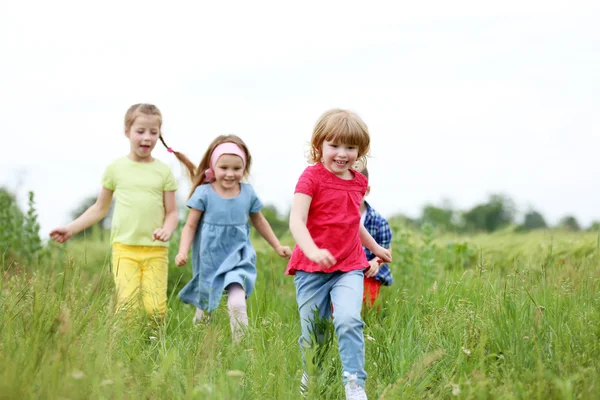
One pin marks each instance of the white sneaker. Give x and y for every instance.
(304, 385)
(353, 390)
(203, 318)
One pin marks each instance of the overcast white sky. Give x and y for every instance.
(463, 98)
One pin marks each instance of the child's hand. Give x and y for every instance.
(373, 269)
(161, 234)
(60, 234)
(384, 254)
(322, 257)
(284, 251)
(181, 259)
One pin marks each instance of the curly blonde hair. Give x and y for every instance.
(340, 126)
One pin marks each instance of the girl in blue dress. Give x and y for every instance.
(217, 229)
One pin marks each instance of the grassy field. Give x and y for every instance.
(503, 316)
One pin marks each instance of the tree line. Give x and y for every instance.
(498, 212)
(19, 231)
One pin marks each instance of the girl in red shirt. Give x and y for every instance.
(328, 260)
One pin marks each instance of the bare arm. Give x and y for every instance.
(383, 237)
(91, 216)
(187, 236)
(367, 240)
(264, 228)
(298, 217)
(171, 218)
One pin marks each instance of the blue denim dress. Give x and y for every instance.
(221, 252)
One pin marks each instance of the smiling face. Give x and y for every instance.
(143, 135)
(339, 158)
(229, 171)
(345, 130)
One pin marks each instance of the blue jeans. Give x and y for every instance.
(315, 293)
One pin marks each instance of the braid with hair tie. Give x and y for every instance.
(191, 168)
(170, 150)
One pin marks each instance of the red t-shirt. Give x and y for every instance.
(333, 219)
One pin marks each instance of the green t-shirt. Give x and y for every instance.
(139, 199)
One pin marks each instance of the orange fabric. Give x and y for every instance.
(371, 292)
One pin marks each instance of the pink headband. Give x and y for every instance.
(223, 148)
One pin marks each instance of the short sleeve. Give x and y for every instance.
(170, 182)
(108, 180)
(362, 181)
(307, 183)
(255, 204)
(199, 198)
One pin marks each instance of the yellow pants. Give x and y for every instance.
(140, 274)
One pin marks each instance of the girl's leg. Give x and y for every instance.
(314, 306)
(238, 317)
(155, 272)
(127, 273)
(346, 296)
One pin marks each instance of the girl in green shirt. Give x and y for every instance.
(145, 215)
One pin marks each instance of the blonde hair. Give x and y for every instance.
(340, 126)
(198, 174)
(150, 109)
(142, 108)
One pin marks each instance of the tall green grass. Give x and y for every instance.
(505, 316)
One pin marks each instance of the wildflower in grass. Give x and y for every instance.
(78, 375)
(455, 389)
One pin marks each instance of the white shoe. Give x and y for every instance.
(304, 385)
(353, 390)
(203, 318)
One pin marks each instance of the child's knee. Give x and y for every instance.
(347, 322)
(236, 305)
(236, 298)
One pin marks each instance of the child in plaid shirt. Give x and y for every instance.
(379, 228)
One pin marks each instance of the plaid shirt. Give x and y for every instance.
(379, 228)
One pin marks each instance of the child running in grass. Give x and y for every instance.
(328, 260)
(378, 273)
(222, 256)
(145, 215)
